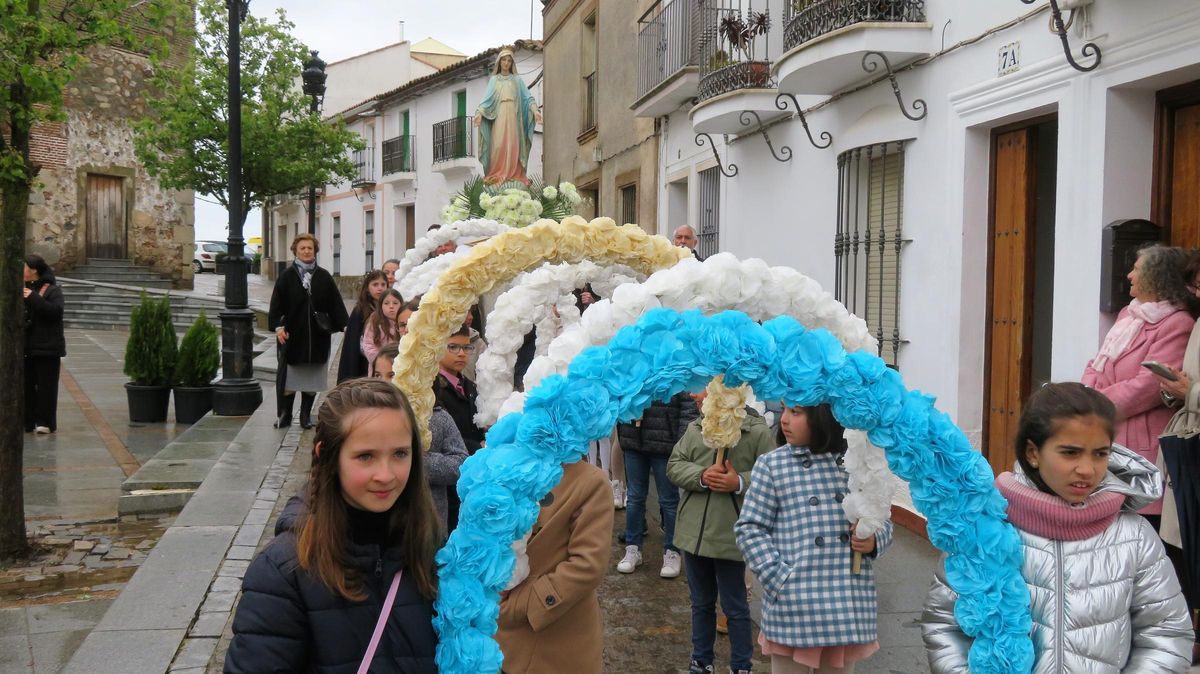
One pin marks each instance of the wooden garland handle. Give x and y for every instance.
(856, 564)
(720, 462)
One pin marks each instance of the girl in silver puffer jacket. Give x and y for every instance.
(1104, 597)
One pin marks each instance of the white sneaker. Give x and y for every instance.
(42, 430)
(618, 491)
(671, 564)
(631, 561)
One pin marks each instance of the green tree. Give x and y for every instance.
(184, 140)
(43, 43)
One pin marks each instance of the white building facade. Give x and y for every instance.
(421, 150)
(969, 238)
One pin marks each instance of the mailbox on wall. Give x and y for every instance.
(1121, 242)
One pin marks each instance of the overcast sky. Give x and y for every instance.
(339, 29)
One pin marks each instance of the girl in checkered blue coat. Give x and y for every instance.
(817, 615)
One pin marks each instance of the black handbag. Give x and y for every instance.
(321, 318)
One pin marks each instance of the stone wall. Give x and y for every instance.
(96, 138)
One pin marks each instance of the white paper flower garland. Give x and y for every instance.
(425, 245)
(421, 279)
(526, 305)
(720, 283)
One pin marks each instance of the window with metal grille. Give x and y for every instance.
(870, 238)
(369, 239)
(709, 232)
(629, 204)
(337, 245)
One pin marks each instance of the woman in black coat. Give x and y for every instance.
(306, 308)
(45, 345)
(353, 364)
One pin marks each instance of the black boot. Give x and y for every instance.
(306, 403)
(283, 405)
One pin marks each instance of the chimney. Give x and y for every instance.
(402, 31)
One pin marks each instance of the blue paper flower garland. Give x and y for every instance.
(667, 352)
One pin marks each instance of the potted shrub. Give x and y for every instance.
(256, 264)
(741, 34)
(150, 357)
(199, 360)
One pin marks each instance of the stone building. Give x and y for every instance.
(610, 154)
(93, 199)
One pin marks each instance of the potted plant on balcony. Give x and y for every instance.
(199, 359)
(150, 356)
(741, 34)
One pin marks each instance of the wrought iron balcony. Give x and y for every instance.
(452, 139)
(729, 63)
(364, 164)
(806, 20)
(398, 155)
(665, 45)
(589, 104)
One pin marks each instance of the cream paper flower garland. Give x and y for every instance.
(511, 319)
(498, 260)
(463, 229)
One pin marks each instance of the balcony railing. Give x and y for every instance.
(665, 43)
(727, 66)
(805, 20)
(589, 103)
(364, 164)
(398, 155)
(452, 139)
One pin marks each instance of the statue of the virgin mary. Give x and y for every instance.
(506, 119)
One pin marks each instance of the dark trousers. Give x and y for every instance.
(41, 391)
(709, 578)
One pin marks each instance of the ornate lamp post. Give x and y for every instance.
(314, 85)
(238, 393)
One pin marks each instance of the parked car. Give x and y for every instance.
(205, 257)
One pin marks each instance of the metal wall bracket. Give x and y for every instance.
(781, 103)
(1059, 28)
(918, 104)
(368, 189)
(785, 152)
(733, 169)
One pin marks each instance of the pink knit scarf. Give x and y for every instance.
(1049, 516)
(1127, 327)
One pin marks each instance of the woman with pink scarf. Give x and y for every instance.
(1155, 326)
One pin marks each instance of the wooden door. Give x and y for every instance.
(105, 217)
(1184, 213)
(1010, 311)
(410, 226)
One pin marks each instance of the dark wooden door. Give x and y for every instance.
(1010, 311)
(410, 226)
(1185, 177)
(105, 217)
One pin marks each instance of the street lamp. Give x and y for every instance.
(314, 85)
(238, 393)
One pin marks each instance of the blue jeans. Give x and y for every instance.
(638, 466)
(708, 577)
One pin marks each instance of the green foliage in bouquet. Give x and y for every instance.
(513, 203)
(199, 354)
(151, 351)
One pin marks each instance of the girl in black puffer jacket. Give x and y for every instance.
(45, 345)
(311, 599)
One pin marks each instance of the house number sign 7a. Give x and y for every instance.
(1010, 59)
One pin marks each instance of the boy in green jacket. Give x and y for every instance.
(704, 532)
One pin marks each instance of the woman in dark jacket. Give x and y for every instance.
(306, 308)
(45, 345)
(353, 364)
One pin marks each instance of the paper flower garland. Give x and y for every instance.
(498, 260)
(427, 244)
(420, 280)
(666, 352)
(511, 318)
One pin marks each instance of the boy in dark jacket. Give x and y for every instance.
(647, 444)
(456, 393)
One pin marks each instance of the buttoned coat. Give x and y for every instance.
(551, 622)
(796, 539)
(1134, 389)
